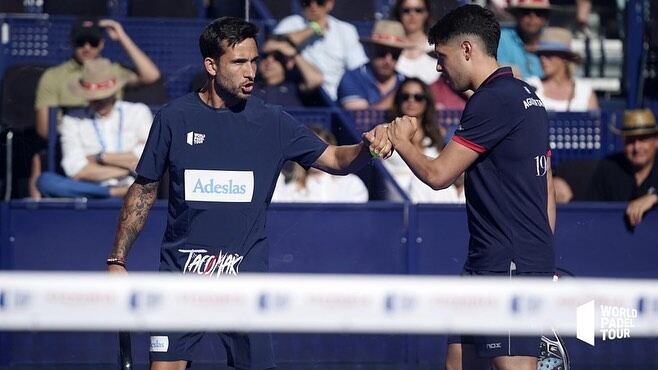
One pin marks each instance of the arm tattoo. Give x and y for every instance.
(136, 206)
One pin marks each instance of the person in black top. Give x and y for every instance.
(630, 175)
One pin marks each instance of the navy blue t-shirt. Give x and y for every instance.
(223, 166)
(506, 187)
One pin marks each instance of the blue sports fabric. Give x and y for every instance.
(506, 187)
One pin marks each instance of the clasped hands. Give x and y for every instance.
(385, 137)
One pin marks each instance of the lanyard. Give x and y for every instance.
(100, 137)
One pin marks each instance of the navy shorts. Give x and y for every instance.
(252, 351)
(504, 345)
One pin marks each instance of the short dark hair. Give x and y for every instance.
(468, 20)
(230, 29)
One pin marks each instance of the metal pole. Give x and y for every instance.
(246, 10)
(8, 168)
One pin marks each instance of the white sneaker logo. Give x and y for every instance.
(195, 138)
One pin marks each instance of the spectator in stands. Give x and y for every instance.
(499, 8)
(102, 143)
(415, 99)
(284, 77)
(87, 43)
(531, 17)
(326, 42)
(314, 186)
(558, 89)
(414, 60)
(631, 175)
(373, 85)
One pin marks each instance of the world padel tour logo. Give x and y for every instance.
(614, 322)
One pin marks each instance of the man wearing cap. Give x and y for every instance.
(373, 84)
(631, 175)
(102, 143)
(328, 43)
(515, 43)
(87, 43)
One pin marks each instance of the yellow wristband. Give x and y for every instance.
(315, 26)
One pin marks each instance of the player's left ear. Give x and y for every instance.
(467, 49)
(211, 66)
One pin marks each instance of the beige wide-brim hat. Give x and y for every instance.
(636, 122)
(388, 33)
(98, 80)
(529, 4)
(557, 40)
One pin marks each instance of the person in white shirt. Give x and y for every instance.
(101, 144)
(328, 43)
(558, 89)
(415, 18)
(415, 99)
(313, 186)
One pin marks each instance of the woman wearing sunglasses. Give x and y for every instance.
(558, 89)
(415, 18)
(415, 99)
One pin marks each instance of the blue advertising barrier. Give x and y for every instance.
(373, 238)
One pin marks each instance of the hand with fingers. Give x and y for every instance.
(402, 129)
(283, 47)
(378, 142)
(114, 29)
(638, 207)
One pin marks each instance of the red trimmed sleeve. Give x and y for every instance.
(469, 144)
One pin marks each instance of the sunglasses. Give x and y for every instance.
(543, 13)
(277, 55)
(382, 52)
(419, 10)
(416, 97)
(307, 3)
(82, 41)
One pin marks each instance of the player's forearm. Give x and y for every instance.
(344, 159)
(421, 165)
(136, 206)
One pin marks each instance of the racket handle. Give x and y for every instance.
(125, 351)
